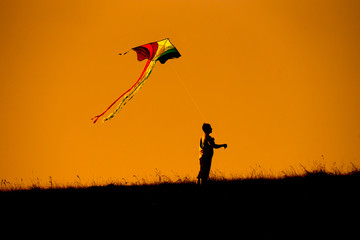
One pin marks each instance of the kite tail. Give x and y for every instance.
(128, 95)
(124, 53)
(132, 91)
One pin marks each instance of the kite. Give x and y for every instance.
(156, 51)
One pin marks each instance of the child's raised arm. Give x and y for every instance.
(216, 146)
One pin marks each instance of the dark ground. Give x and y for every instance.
(314, 206)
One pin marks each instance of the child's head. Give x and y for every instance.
(206, 128)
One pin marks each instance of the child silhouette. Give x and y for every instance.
(207, 145)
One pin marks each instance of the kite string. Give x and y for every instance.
(189, 94)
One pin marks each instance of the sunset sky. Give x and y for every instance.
(279, 81)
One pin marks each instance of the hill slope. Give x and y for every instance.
(300, 204)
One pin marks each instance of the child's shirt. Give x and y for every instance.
(206, 149)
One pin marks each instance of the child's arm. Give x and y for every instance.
(216, 146)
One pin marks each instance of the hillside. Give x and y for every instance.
(316, 201)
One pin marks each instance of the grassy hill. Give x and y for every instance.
(315, 201)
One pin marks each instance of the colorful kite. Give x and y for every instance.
(155, 51)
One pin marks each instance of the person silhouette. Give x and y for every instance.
(207, 145)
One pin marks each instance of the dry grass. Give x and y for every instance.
(257, 172)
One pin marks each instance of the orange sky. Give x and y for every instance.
(278, 80)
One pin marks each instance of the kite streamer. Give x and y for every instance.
(156, 51)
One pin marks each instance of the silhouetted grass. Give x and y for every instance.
(298, 202)
(257, 173)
